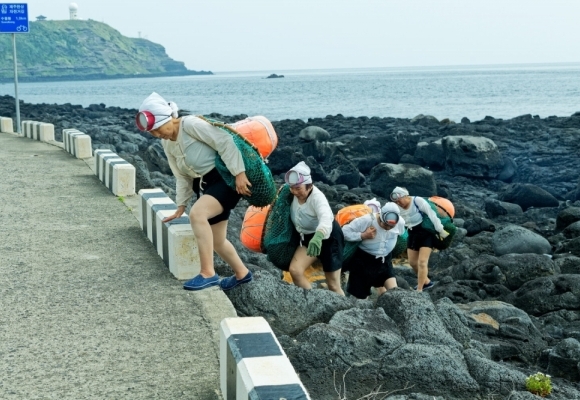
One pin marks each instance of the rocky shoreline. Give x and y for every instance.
(97, 77)
(507, 299)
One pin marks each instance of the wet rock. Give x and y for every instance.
(528, 195)
(430, 155)
(294, 310)
(572, 231)
(514, 239)
(568, 264)
(476, 225)
(314, 133)
(422, 365)
(417, 318)
(546, 294)
(508, 330)
(495, 378)
(353, 340)
(418, 181)
(472, 156)
(564, 360)
(495, 208)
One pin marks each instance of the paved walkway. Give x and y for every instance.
(87, 308)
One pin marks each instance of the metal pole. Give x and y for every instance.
(16, 84)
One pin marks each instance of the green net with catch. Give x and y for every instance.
(280, 236)
(263, 186)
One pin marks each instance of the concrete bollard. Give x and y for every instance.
(174, 240)
(176, 244)
(27, 128)
(35, 130)
(6, 125)
(46, 132)
(77, 143)
(116, 173)
(253, 365)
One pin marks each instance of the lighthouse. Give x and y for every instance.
(73, 8)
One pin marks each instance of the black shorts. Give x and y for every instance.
(367, 271)
(331, 252)
(419, 237)
(215, 186)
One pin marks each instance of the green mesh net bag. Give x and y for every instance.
(348, 251)
(263, 186)
(280, 237)
(447, 223)
(401, 245)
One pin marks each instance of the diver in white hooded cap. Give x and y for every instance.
(420, 242)
(191, 145)
(371, 265)
(320, 235)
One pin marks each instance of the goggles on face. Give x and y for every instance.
(294, 178)
(396, 196)
(390, 218)
(145, 120)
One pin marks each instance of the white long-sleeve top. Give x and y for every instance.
(314, 215)
(413, 217)
(382, 244)
(193, 154)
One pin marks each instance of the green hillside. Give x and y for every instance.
(78, 49)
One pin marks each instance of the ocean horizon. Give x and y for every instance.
(454, 92)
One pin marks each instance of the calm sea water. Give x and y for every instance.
(444, 92)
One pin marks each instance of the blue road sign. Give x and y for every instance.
(13, 18)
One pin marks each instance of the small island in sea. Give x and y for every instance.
(274, 76)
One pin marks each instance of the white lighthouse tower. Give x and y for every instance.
(73, 8)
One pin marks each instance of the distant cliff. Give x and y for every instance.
(79, 50)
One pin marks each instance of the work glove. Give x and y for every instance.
(315, 245)
(443, 235)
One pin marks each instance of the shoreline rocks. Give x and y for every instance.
(506, 302)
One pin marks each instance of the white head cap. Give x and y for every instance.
(373, 204)
(398, 192)
(298, 174)
(154, 112)
(390, 213)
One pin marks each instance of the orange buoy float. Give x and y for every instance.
(445, 206)
(253, 227)
(347, 214)
(259, 131)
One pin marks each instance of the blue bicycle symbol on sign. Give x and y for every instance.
(22, 28)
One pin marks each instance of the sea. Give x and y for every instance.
(454, 92)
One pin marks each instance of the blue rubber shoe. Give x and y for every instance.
(199, 282)
(231, 282)
(426, 286)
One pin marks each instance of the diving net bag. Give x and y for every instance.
(263, 186)
(280, 238)
(446, 221)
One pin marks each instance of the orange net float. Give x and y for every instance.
(253, 227)
(445, 206)
(347, 214)
(259, 131)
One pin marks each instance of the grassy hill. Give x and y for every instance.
(79, 49)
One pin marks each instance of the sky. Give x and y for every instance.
(283, 35)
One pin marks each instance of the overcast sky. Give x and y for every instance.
(281, 35)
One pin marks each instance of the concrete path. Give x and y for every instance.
(87, 308)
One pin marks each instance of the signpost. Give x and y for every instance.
(14, 19)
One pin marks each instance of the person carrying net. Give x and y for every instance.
(371, 265)
(191, 145)
(420, 242)
(320, 235)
